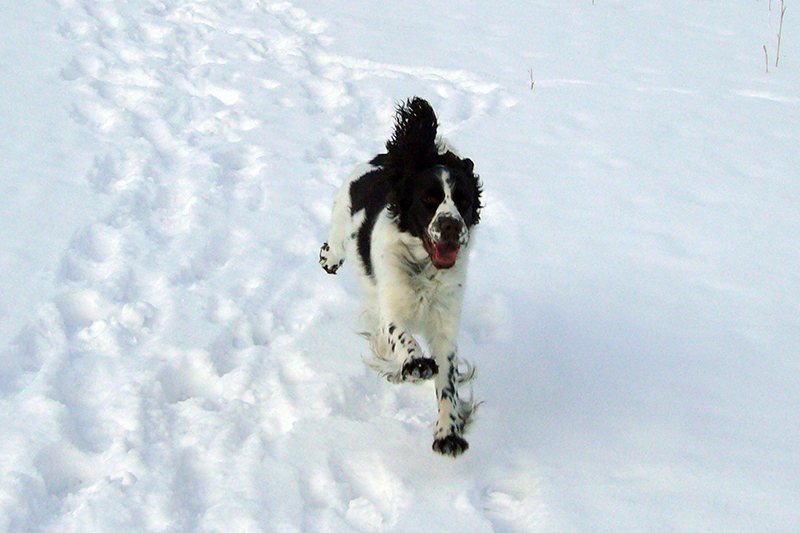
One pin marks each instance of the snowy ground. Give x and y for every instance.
(173, 358)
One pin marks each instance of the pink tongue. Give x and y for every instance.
(446, 254)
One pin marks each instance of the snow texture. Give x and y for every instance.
(173, 359)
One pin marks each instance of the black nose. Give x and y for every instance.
(450, 229)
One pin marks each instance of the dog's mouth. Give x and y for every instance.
(443, 254)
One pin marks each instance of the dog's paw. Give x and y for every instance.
(328, 260)
(452, 445)
(419, 369)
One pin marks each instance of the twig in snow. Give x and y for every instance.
(780, 32)
(766, 57)
(530, 71)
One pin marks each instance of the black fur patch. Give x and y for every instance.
(407, 175)
(419, 369)
(453, 445)
(369, 193)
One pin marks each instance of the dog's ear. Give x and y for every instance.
(411, 149)
(413, 143)
(477, 190)
(391, 199)
(400, 195)
(397, 197)
(477, 205)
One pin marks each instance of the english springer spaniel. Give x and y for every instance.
(410, 214)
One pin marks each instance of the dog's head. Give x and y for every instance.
(434, 194)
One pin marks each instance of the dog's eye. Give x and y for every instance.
(462, 200)
(431, 201)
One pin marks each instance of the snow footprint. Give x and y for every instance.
(513, 503)
(113, 173)
(239, 170)
(37, 348)
(375, 494)
(95, 255)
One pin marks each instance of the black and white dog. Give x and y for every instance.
(410, 214)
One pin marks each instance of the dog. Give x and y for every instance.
(406, 219)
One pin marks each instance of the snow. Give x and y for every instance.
(174, 359)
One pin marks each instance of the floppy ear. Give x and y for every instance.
(411, 149)
(391, 199)
(415, 127)
(477, 190)
(399, 195)
(413, 143)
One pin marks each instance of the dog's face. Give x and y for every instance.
(441, 207)
(434, 194)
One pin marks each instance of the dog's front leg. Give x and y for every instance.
(398, 355)
(332, 252)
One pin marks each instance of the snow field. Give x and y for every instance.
(184, 376)
(175, 360)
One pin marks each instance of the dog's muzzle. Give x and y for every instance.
(445, 236)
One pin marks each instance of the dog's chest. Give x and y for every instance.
(430, 294)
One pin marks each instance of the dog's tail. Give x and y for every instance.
(414, 137)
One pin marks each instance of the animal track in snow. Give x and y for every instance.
(187, 360)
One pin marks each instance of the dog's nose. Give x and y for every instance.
(450, 229)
